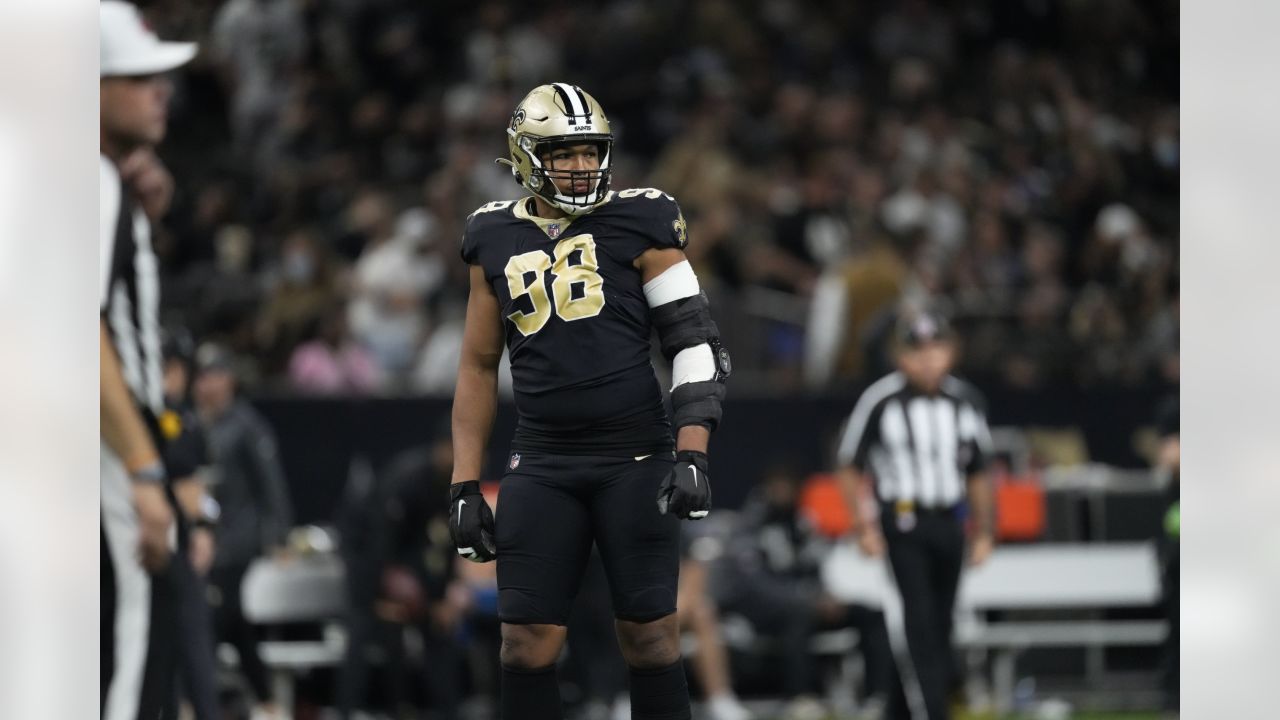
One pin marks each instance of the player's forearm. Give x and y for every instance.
(475, 403)
(123, 429)
(693, 437)
(981, 503)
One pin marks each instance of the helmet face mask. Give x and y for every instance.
(551, 117)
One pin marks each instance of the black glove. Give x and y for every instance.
(471, 522)
(686, 493)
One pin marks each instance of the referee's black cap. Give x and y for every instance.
(917, 327)
(212, 356)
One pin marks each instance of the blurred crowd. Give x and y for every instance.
(1016, 160)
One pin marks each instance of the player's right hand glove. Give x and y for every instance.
(686, 493)
(471, 522)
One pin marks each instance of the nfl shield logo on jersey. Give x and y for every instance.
(553, 230)
(515, 461)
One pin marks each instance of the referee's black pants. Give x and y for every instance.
(925, 553)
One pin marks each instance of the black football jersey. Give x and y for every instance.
(576, 321)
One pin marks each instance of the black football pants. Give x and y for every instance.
(551, 508)
(925, 553)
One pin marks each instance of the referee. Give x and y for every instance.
(919, 438)
(139, 592)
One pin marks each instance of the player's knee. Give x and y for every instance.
(650, 645)
(530, 647)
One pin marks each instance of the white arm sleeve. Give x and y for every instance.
(108, 216)
(675, 283)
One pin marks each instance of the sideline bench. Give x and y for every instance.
(1068, 577)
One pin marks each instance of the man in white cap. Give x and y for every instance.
(139, 598)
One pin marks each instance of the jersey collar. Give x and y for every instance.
(553, 227)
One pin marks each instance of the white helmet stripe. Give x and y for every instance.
(576, 107)
(586, 106)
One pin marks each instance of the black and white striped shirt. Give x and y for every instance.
(917, 447)
(129, 290)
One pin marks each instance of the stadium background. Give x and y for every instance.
(1018, 160)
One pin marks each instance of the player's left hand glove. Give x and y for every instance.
(471, 522)
(686, 493)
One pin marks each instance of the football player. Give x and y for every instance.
(571, 279)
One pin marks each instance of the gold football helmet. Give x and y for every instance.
(556, 115)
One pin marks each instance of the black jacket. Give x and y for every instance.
(248, 482)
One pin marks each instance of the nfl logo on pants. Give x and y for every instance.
(515, 461)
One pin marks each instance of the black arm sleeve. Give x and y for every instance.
(684, 323)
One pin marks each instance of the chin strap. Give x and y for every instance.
(576, 210)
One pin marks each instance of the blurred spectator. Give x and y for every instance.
(392, 281)
(437, 365)
(400, 578)
(699, 616)
(796, 136)
(331, 362)
(1163, 338)
(187, 457)
(770, 576)
(305, 289)
(249, 485)
(259, 43)
(916, 29)
(523, 55)
(211, 208)
(698, 167)
(847, 300)
(227, 295)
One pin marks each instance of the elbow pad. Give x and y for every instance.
(691, 341)
(698, 403)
